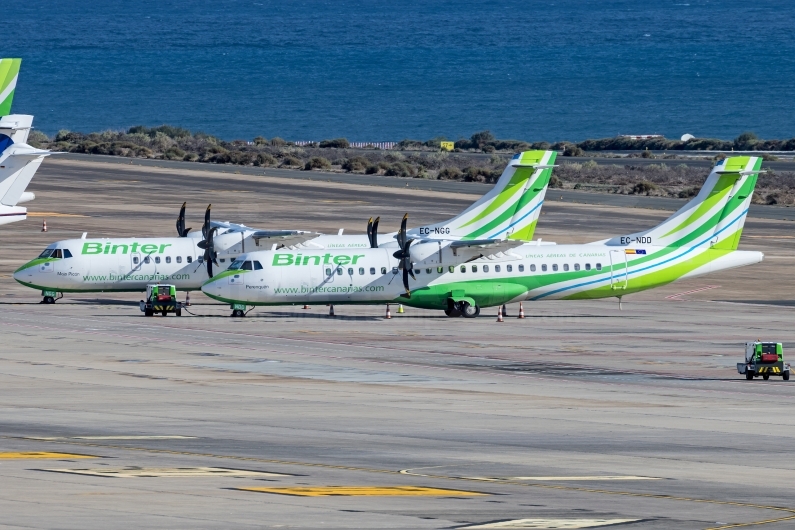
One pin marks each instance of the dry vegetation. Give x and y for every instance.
(415, 159)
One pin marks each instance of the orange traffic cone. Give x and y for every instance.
(44, 225)
(187, 299)
(388, 314)
(331, 310)
(306, 306)
(521, 311)
(499, 315)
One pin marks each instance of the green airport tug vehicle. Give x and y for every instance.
(765, 359)
(161, 299)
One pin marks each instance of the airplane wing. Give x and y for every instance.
(283, 237)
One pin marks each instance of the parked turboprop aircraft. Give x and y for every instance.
(508, 211)
(18, 160)
(461, 278)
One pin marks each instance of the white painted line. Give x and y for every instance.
(167, 472)
(676, 296)
(571, 478)
(551, 523)
(143, 437)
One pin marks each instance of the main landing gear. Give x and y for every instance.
(462, 309)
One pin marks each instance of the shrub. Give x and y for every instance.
(36, 138)
(572, 150)
(767, 157)
(400, 169)
(278, 142)
(174, 153)
(338, 143)
(746, 141)
(647, 154)
(190, 157)
(555, 182)
(264, 159)
(69, 136)
(357, 163)
(372, 170)
(643, 187)
(481, 139)
(291, 161)
(259, 140)
(317, 162)
(688, 193)
(449, 173)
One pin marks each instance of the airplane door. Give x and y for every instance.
(618, 270)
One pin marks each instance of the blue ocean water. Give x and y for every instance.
(387, 70)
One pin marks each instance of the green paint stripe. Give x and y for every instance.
(718, 194)
(514, 188)
(34, 263)
(9, 69)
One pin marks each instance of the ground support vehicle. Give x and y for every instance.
(161, 299)
(765, 359)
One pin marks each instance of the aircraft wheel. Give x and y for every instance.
(785, 375)
(749, 376)
(470, 311)
(238, 313)
(765, 377)
(48, 300)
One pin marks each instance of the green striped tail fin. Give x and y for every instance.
(9, 71)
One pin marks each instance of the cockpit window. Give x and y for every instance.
(236, 265)
(66, 253)
(247, 266)
(57, 253)
(257, 266)
(47, 253)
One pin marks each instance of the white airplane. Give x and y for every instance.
(507, 213)
(700, 238)
(18, 161)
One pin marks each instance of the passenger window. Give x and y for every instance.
(474, 268)
(350, 271)
(168, 259)
(221, 260)
(394, 270)
(328, 272)
(521, 268)
(576, 266)
(247, 266)
(190, 259)
(372, 271)
(509, 268)
(555, 267)
(339, 271)
(147, 260)
(532, 268)
(565, 266)
(200, 259)
(587, 266)
(451, 268)
(135, 260)
(157, 259)
(485, 268)
(598, 266)
(416, 271)
(257, 266)
(179, 259)
(463, 268)
(361, 271)
(544, 267)
(496, 268)
(66, 253)
(428, 271)
(440, 269)
(383, 270)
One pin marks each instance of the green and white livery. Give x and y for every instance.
(9, 72)
(700, 238)
(511, 207)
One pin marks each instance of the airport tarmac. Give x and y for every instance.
(579, 416)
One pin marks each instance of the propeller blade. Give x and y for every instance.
(206, 225)
(181, 221)
(374, 240)
(370, 231)
(401, 235)
(210, 254)
(406, 282)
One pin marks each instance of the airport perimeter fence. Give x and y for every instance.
(357, 145)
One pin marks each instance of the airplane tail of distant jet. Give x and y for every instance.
(717, 213)
(18, 164)
(9, 71)
(509, 210)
